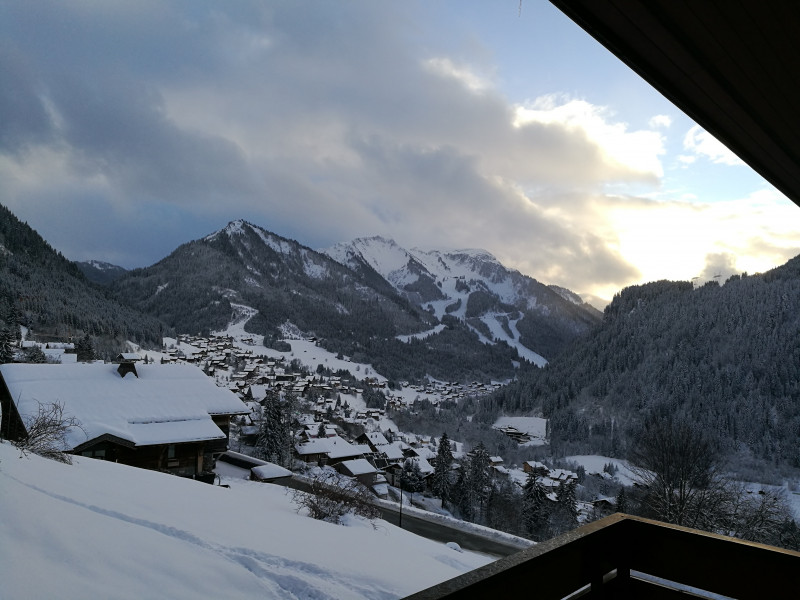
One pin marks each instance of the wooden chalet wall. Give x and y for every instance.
(185, 459)
(11, 425)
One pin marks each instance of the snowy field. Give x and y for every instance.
(536, 427)
(595, 464)
(101, 530)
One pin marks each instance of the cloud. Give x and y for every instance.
(445, 67)
(719, 266)
(638, 151)
(702, 143)
(660, 121)
(679, 240)
(139, 126)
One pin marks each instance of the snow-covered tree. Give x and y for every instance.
(6, 346)
(85, 349)
(275, 438)
(34, 354)
(535, 507)
(565, 512)
(411, 479)
(442, 483)
(622, 501)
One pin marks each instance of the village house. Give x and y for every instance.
(163, 417)
(360, 470)
(533, 466)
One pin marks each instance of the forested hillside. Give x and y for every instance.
(100, 272)
(44, 291)
(725, 357)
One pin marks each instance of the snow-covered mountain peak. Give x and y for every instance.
(233, 228)
(385, 256)
(474, 253)
(240, 227)
(101, 266)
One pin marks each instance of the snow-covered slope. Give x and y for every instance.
(102, 530)
(470, 285)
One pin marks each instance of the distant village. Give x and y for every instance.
(334, 427)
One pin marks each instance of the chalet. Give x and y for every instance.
(532, 466)
(495, 461)
(163, 417)
(329, 450)
(394, 470)
(269, 473)
(360, 470)
(372, 439)
(515, 434)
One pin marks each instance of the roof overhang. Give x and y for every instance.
(729, 65)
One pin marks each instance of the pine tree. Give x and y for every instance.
(535, 507)
(13, 319)
(622, 501)
(411, 479)
(35, 355)
(6, 346)
(85, 349)
(275, 437)
(480, 478)
(565, 513)
(462, 495)
(442, 485)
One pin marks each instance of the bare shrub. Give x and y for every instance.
(330, 497)
(47, 432)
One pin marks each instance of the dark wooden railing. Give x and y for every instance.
(624, 557)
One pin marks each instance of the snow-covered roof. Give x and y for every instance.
(270, 471)
(377, 438)
(334, 447)
(562, 475)
(359, 466)
(259, 391)
(393, 451)
(424, 452)
(164, 404)
(424, 466)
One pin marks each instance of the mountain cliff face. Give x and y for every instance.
(475, 288)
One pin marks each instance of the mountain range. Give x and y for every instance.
(451, 315)
(725, 357)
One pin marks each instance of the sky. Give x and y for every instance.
(129, 128)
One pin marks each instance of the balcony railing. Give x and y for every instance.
(625, 557)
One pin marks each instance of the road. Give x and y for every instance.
(412, 521)
(433, 530)
(441, 532)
